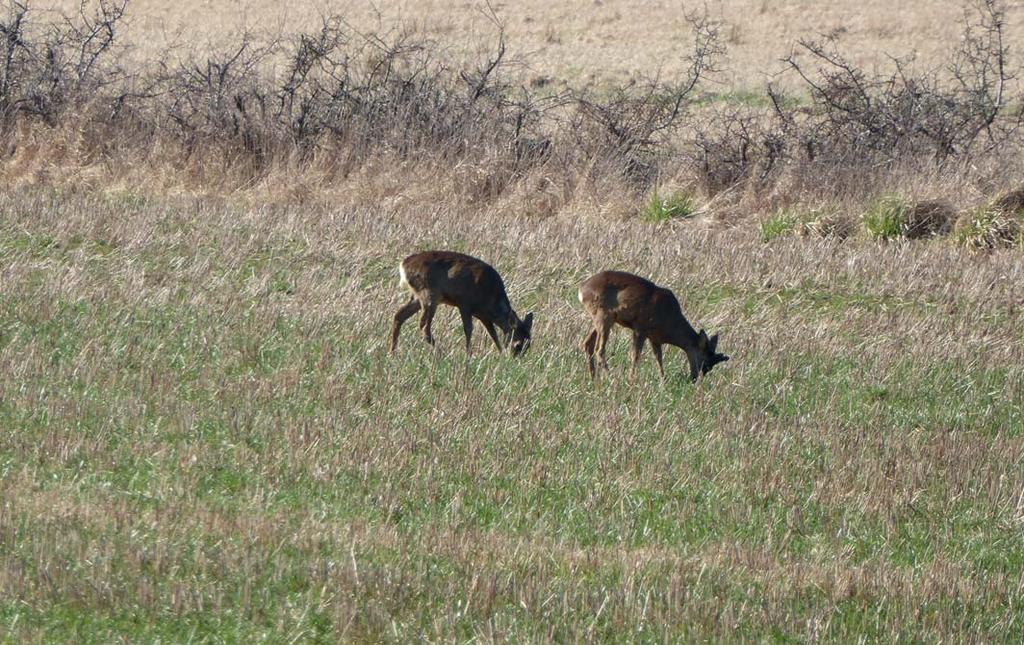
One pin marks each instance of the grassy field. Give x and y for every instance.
(205, 439)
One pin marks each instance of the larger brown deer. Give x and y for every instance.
(651, 312)
(464, 282)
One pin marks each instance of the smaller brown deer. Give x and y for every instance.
(651, 312)
(466, 283)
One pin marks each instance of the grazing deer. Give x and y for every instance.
(651, 312)
(464, 282)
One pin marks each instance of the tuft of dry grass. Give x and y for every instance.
(824, 223)
(928, 218)
(996, 224)
(1011, 202)
(987, 228)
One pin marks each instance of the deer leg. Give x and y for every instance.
(401, 316)
(638, 347)
(657, 356)
(588, 345)
(426, 319)
(605, 326)
(467, 327)
(489, 326)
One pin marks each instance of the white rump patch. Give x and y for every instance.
(402, 280)
(579, 294)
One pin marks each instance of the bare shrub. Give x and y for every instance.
(68, 65)
(632, 129)
(730, 146)
(474, 132)
(883, 117)
(862, 124)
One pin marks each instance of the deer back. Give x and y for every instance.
(458, 280)
(637, 303)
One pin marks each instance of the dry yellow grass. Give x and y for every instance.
(601, 42)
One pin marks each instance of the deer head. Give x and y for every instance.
(519, 336)
(703, 356)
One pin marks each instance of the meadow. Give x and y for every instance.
(204, 437)
(207, 440)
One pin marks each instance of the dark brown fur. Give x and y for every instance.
(466, 283)
(651, 312)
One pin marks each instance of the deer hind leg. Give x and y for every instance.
(489, 326)
(638, 347)
(588, 345)
(467, 327)
(403, 314)
(426, 319)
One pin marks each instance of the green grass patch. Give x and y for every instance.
(885, 217)
(675, 205)
(781, 223)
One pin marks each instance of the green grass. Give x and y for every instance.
(885, 217)
(661, 208)
(779, 224)
(754, 98)
(192, 452)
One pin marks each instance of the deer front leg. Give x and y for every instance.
(467, 328)
(604, 329)
(656, 348)
(588, 345)
(401, 316)
(489, 326)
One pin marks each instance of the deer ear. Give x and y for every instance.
(528, 321)
(713, 342)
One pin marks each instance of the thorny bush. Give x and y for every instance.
(348, 96)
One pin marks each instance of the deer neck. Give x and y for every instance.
(505, 317)
(507, 323)
(683, 334)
